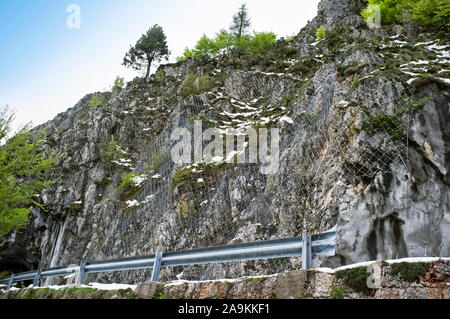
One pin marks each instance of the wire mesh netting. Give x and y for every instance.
(216, 201)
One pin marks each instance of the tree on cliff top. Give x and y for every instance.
(24, 168)
(151, 47)
(241, 22)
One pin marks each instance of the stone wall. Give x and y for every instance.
(390, 281)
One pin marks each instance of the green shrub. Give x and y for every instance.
(383, 123)
(224, 41)
(432, 14)
(130, 184)
(205, 47)
(355, 278)
(186, 208)
(206, 171)
(112, 154)
(337, 293)
(194, 85)
(411, 272)
(390, 10)
(320, 33)
(335, 39)
(260, 42)
(273, 57)
(186, 55)
(160, 76)
(97, 99)
(118, 85)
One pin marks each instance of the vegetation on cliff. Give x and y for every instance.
(24, 169)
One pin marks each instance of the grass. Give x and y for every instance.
(207, 171)
(355, 278)
(254, 280)
(410, 272)
(337, 292)
(69, 293)
(128, 187)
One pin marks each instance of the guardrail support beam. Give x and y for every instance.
(80, 278)
(37, 279)
(306, 251)
(156, 266)
(10, 282)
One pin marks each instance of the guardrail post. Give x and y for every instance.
(10, 282)
(80, 278)
(306, 251)
(37, 279)
(156, 266)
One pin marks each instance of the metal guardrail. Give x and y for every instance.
(322, 244)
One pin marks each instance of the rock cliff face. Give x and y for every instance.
(364, 146)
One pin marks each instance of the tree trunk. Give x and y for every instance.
(147, 76)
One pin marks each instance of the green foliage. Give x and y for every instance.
(24, 172)
(254, 280)
(69, 293)
(118, 85)
(383, 123)
(160, 76)
(273, 57)
(159, 292)
(5, 274)
(194, 85)
(186, 176)
(320, 33)
(186, 208)
(224, 41)
(350, 69)
(355, 278)
(410, 272)
(390, 10)
(269, 183)
(97, 99)
(129, 186)
(390, 124)
(443, 13)
(187, 54)
(241, 22)
(337, 292)
(206, 47)
(151, 47)
(260, 42)
(432, 14)
(335, 39)
(111, 153)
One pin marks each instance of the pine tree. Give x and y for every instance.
(241, 22)
(151, 47)
(24, 169)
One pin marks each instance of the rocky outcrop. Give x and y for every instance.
(364, 146)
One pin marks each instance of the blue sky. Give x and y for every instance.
(46, 67)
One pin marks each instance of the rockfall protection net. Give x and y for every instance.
(212, 202)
